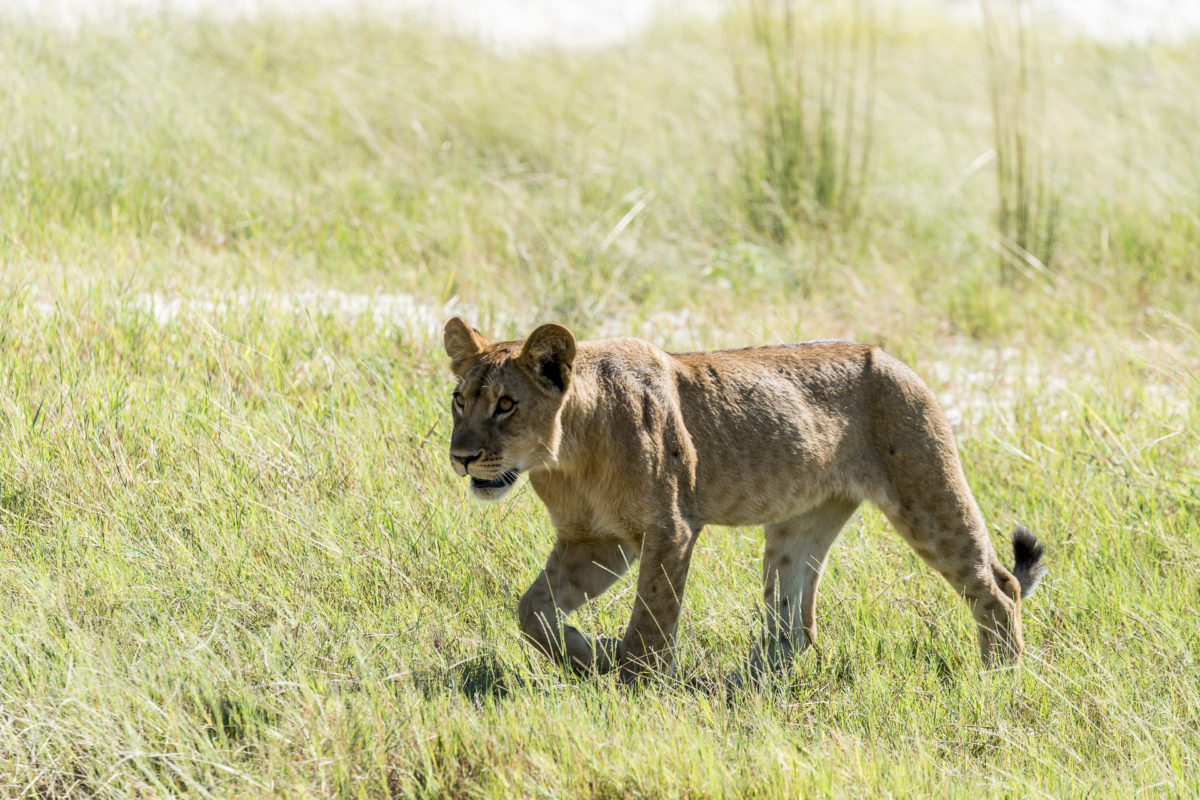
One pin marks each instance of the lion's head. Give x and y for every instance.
(506, 404)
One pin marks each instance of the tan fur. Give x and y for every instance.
(634, 450)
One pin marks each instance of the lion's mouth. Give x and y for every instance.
(501, 481)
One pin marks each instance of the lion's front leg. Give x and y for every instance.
(648, 641)
(575, 572)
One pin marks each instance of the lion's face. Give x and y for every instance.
(506, 405)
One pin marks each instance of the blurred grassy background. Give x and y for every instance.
(358, 154)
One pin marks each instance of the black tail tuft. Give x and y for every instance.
(1027, 551)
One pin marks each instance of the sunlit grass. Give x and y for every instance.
(235, 558)
(364, 154)
(805, 79)
(1027, 207)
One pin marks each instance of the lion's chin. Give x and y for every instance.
(490, 491)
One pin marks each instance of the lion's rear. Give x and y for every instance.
(927, 499)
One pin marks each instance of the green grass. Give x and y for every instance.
(1027, 207)
(805, 95)
(236, 562)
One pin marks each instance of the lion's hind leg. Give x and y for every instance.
(793, 559)
(944, 526)
(924, 494)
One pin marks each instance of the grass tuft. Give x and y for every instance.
(805, 77)
(1027, 215)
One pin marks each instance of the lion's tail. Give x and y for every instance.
(1027, 551)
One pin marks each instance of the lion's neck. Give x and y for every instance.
(582, 427)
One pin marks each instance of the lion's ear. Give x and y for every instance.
(463, 344)
(548, 355)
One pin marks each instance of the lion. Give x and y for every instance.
(634, 450)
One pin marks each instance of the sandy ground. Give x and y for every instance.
(503, 24)
(508, 24)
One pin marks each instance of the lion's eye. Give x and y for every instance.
(458, 401)
(504, 405)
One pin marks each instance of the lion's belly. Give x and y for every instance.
(758, 495)
(779, 463)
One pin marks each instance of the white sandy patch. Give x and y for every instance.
(501, 24)
(972, 382)
(515, 24)
(385, 309)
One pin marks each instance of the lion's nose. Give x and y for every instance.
(465, 458)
